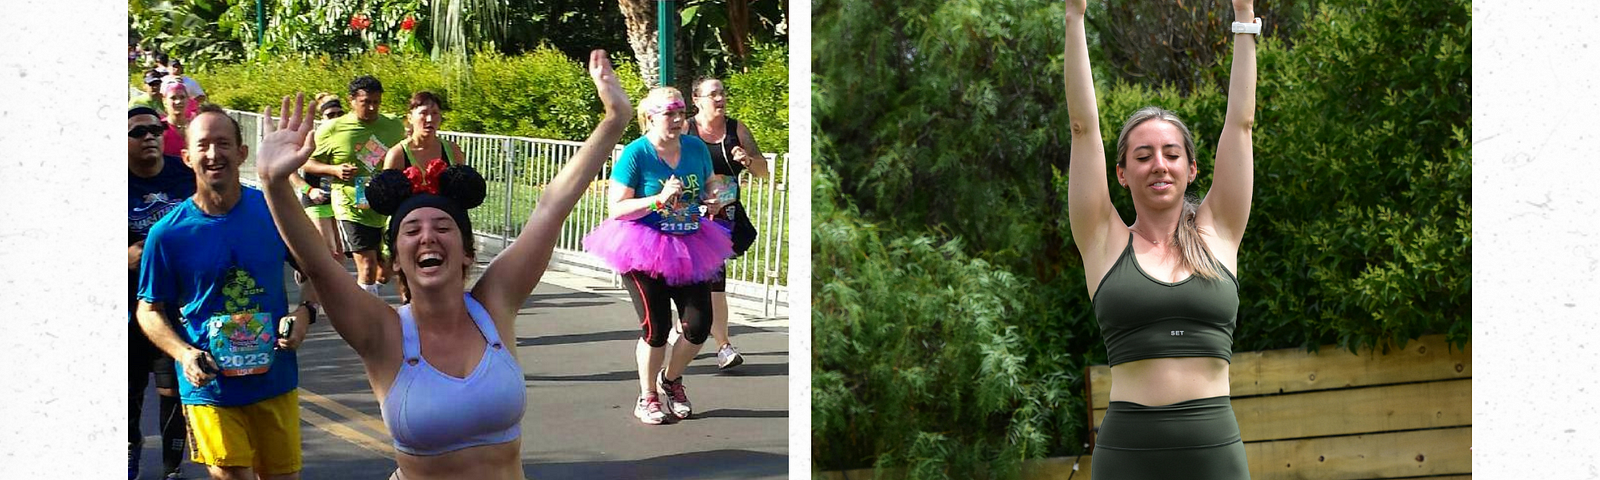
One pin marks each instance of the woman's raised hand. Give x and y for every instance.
(1079, 7)
(288, 142)
(609, 88)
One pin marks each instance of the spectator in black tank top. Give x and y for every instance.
(733, 150)
(424, 114)
(421, 145)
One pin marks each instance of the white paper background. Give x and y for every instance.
(800, 238)
(63, 330)
(1535, 256)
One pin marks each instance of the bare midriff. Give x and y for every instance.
(1165, 381)
(501, 461)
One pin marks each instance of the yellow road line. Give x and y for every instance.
(339, 429)
(365, 420)
(344, 431)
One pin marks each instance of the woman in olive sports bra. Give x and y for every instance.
(1163, 288)
(447, 330)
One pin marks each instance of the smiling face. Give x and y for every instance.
(1157, 165)
(214, 152)
(429, 250)
(176, 98)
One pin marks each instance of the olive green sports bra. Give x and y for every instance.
(1141, 317)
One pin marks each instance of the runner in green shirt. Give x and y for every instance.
(350, 150)
(150, 97)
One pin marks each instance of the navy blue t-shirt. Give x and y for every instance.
(149, 199)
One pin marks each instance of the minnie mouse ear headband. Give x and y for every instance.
(453, 189)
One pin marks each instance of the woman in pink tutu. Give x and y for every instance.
(665, 248)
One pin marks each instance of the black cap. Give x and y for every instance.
(152, 77)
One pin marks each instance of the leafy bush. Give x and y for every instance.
(916, 360)
(760, 97)
(540, 94)
(1363, 232)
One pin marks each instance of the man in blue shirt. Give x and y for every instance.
(217, 257)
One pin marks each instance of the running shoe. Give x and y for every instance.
(649, 410)
(673, 395)
(728, 357)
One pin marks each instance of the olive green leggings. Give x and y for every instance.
(1193, 440)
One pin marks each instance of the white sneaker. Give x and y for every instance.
(673, 396)
(728, 357)
(649, 410)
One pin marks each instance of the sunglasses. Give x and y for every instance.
(332, 114)
(143, 130)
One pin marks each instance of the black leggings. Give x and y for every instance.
(653, 299)
(143, 360)
(1193, 439)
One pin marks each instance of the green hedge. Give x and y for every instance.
(919, 358)
(540, 94)
(940, 121)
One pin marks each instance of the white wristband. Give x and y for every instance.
(1248, 28)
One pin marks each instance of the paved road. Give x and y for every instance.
(575, 339)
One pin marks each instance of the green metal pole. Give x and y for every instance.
(261, 23)
(667, 19)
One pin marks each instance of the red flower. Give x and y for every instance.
(360, 22)
(408, 24)
(383, 49)
(426, 182)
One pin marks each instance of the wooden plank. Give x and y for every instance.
(1385, 455)
(1409, 406)
(1294, 370)
(1056, 468)
(861, 474)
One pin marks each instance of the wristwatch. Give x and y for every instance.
(312, 308)
(1248, 28)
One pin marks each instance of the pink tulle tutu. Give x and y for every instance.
(630, 246)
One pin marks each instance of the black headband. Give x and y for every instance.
(137, 111)
(331, 102)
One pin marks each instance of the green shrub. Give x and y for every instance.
(917, 361)
(539, 94)
(760, 97)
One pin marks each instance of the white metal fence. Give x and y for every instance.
(516, 169)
